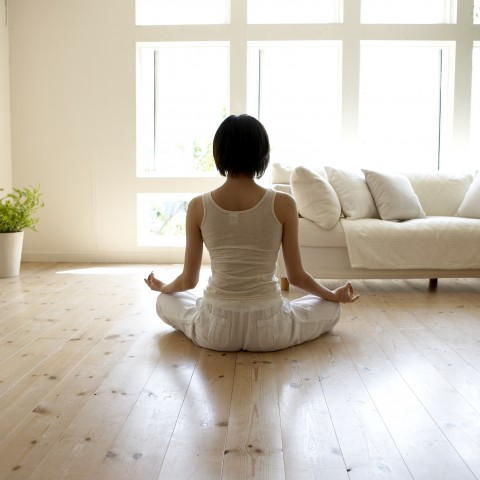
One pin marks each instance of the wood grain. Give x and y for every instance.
(94, 386)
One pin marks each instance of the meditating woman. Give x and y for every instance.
(243, 226)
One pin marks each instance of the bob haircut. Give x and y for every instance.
(241, 146)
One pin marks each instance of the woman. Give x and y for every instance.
(243, 226)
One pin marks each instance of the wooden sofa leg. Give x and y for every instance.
(432, 285)
(284, 285)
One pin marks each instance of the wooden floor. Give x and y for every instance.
(94, 386)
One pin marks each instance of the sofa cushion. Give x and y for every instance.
(470, 206)
(440, 193)
(353, 193)
(312, 235)
(316, 198)
(434, 242)
(394, 196)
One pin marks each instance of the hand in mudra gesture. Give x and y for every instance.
(345, 294)
(154, 283)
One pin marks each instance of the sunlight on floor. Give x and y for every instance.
(112, 269)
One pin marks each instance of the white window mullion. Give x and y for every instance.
(238, 56)
(350, 73)
(463, 82)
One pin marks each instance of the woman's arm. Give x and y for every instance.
(286, 212)
(188, 279)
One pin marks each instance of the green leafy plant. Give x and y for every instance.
(18, 208)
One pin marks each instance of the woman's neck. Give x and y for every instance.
(239, 192)
(240, 179)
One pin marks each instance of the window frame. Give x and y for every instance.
(351, 32)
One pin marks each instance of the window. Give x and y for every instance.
(332, 81)
(181, 12)
(294, 89)
(404, 96)
(183, 97)
(408, 11)
(299, 11)
(161, 218)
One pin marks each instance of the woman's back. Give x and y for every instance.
(243, 246)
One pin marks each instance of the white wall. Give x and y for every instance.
(73, 125)
(5, 150)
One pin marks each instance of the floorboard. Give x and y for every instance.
(94, 386)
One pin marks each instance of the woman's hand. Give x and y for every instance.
(154, 283)
(344, 294)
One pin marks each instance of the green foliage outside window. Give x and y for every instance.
(168, 218)
(203, 156)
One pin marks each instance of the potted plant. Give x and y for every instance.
(17, 212)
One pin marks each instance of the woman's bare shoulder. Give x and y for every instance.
(284, 199)
(196, 201)
(195, 208)
(285, 206)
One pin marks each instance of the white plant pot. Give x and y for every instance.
(10, 254)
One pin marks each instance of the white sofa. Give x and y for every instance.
(363, 224)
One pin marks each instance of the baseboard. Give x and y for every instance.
(161, 257)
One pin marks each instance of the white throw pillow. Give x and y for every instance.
(316, 198)
(394, 196)
(440, 193)
(353, 193)
(470, 207)
(280, 173)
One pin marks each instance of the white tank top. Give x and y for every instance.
(243, 248)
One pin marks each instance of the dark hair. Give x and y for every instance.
(241, 146)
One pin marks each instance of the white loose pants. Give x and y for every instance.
(226, 326)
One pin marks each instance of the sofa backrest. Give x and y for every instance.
(440, 193)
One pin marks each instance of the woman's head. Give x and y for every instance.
(241, 146)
